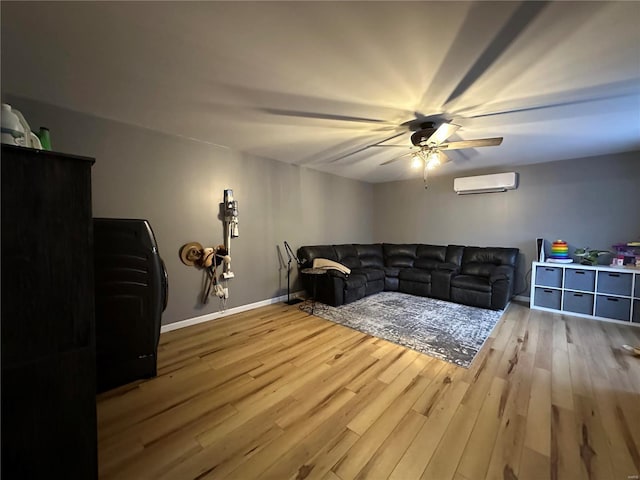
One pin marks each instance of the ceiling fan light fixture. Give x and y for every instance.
(416, 161)
(433, 160)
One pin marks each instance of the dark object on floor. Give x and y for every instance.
(48, 343)
(448, 331)
(477, 276)
(291, 255)
(131, 294)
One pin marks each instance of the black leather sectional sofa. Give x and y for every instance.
(477, 276)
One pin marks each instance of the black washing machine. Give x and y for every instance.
(131, 292)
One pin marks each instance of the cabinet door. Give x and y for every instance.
(48, 347)
(49, 418)
(47, 267)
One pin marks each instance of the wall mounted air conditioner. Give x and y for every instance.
(499, 182)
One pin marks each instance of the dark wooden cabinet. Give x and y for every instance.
(47, 327)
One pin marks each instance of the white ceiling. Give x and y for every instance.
(312, 82)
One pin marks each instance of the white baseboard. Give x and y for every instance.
(213, 316)
(521, 298)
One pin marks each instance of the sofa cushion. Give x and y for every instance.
(307, 254)
(399, 255)
(482, 261)
(392, 272)
(347, 255)
(370, 255)
(415, 275)
(454, 254)
(371, 274)
(374, 286)
(429, 256)
(471, 282)
(474, 298)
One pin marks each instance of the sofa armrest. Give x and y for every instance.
(441, 283)
(336, 274)
(450, 267)
(501, 272)
(501, 281)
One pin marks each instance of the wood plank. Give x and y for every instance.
(477, 453)
(561, 389)
(407, 381)
(545, 342)
(565, 447)
(538, 429)
(374, 435)
(580, 378)
(318, 465)
(624, 452)
(384, 460)
(533, 466)
(595, 457)
(266, 457)
(417, 457)
(445, 460)
(513, 407)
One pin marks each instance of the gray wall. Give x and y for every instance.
(586, 202)
(177, 184)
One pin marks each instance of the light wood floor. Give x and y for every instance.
(275, 393)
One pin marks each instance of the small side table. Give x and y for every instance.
(314, 272)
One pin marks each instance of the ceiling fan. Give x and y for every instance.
(429, 141)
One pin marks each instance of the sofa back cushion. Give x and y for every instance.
(370, 255)
(454, 254)
(308, 253)
(481, 261)
(399, 255)
(429, 257)
(347, 255)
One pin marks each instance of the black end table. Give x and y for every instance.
(314, 272)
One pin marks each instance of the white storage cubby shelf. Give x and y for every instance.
(600, 292)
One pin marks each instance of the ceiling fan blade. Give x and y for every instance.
(362, 149)
(481, 142)
(395, 159)
(394, 146)
(324, 116)
(443, 132)
(443, 158)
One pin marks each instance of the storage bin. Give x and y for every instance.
(578, 302)
(547, 298)
(613, 307)
(636, 290)
(615, 283)
(549, 276)
(578, 279)
(636, 311)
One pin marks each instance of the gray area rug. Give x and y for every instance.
(444, 330)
